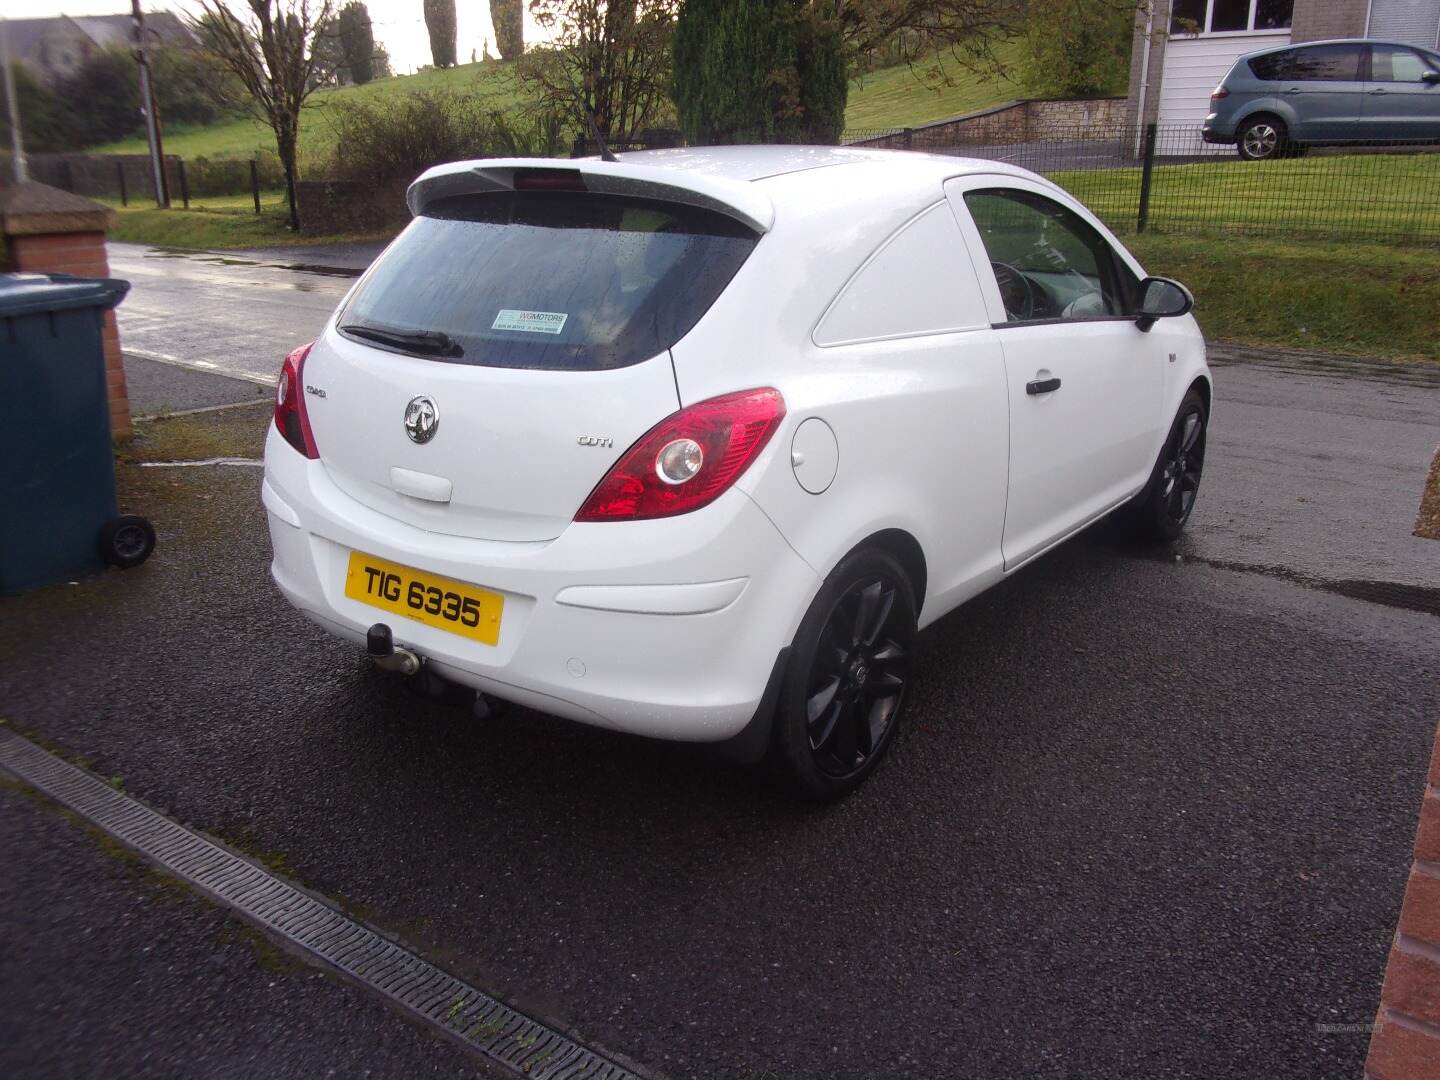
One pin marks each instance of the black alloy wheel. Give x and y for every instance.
(849, 672)
(1184, 461)
(1162, 509)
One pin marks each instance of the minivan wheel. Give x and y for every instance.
(849, 670)
(1161, 510)
(1262, 138)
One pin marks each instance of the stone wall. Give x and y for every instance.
(1405, 1044)
(350, 206)
(1013, 122)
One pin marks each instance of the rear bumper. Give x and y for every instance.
(666, 628)
(1216, 130)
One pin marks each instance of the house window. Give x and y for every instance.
(1229, 16)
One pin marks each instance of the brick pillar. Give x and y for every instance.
(54, 232)
(1406, 1042)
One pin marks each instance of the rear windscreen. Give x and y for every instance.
(547, 279)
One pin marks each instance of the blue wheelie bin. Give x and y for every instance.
(58, 512)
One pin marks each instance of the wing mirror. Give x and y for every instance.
(1431, 77)
(1162, 298)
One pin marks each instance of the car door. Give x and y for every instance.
(1400, 101)
(1084, 384)
(1325, 88)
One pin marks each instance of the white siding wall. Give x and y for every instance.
(1193, 65)
(1415, 22)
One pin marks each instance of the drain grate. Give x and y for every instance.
(477, 1020)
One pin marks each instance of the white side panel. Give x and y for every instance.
(1193, 67)
(888, 298)
(1415, 22)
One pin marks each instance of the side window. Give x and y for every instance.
(920, 281)
(1272, 66)
(1048, 262)
(1389, 63)
(1327, 63)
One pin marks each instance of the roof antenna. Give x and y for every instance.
(605, 154)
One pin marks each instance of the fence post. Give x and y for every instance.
(909, 138)
(1147, 173)
(184, 187)
(120, 175)
(255, 183)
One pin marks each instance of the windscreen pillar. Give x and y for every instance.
(49, 231)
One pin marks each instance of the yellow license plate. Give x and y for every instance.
(428, 598)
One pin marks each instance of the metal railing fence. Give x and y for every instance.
(1166, 179)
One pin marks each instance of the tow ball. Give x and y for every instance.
(380, 644)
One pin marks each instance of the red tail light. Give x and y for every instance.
(1218, 93)
(290, 417)
(687, 460)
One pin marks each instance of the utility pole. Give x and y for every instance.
(17, 146)
(147, 105)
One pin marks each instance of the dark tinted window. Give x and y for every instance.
(1327, 63)
(547, 279)
(1230, 15)
(1273, 14)
(1272, 66)
(1187, 17)
(1391, 63)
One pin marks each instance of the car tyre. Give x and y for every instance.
(1159, 513)
(845, 688)
(1262, 138)
(126, 541)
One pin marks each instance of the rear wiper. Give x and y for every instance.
(431, 342)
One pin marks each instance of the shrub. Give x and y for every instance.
(395, 137)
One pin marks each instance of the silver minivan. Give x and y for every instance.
(1284, 99)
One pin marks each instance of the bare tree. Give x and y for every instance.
(610, 58)
(912, 28)
(276, 48)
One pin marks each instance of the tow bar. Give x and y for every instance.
(380, 644)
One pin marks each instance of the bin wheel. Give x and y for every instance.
(127, 541)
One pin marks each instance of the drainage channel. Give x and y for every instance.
(499, 1033)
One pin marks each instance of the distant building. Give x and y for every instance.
(50, 49)
(1193, 43)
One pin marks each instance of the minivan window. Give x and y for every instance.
(558, 280)
(1390, 63)
(1272, 66)
(1327, 63)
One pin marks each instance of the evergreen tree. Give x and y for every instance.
(357, 41)
(758, 71)
(507, 17)
(440, 21)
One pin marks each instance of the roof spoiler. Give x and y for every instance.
(737, 199)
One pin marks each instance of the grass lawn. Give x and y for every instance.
(243, 137)
(1321, 196)
(219, 222)
(903, 96)
(1370, 299)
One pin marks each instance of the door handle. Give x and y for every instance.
(1042, 386)
(1293, 90)
(1379, 90)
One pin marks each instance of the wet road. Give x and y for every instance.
(1150, 815)
(235, 314)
